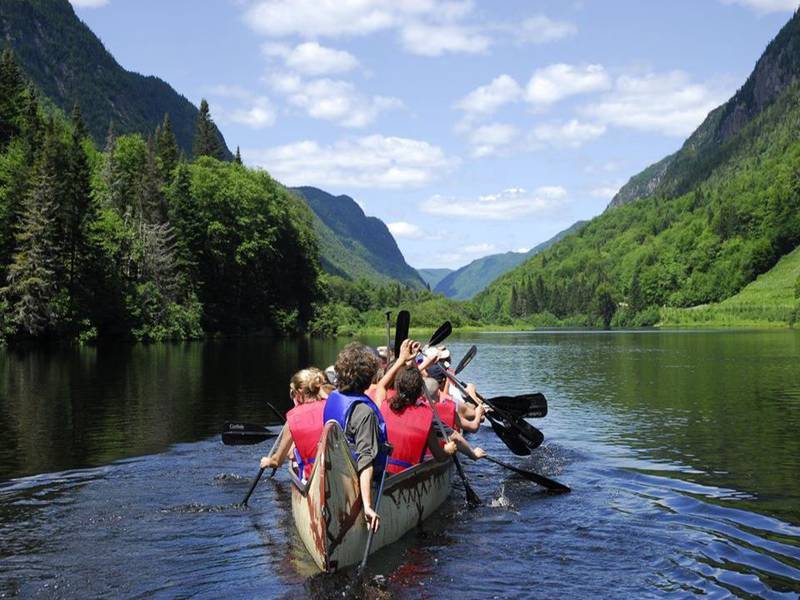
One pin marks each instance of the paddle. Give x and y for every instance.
(527, 433)
(550, 484)
(401, 330)
(531, 406)
(245, 434)
(261, 470)
(388, 330)
(467, 359)
(441, 334)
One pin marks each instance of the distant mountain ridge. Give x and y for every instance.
(69, 64)
(471, 279)
(433, 276)
(353, 245)
(776, 69)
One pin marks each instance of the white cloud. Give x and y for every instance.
(522, 250)
(252, 111)
(403, 229)
(667, 103)
(542, 30)
(488, 98)
(509, 204)
(436, 39)
(572, 134)
(310, 58)
(766, 6)
(490, 139)
(556, 82)
(333, 100)
(89, 3)
(373, 161)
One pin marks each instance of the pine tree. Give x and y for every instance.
(238, 158)
(514, 304)
(152, 205)
(77, 200)
(187, 221)
(33, 278)
(206, 141)
(167, 148)
(12, 89)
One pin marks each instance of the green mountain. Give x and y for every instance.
(724, 210)
(473, 278)
(433, 276)
(69, 64)
(773, 299)
(353, 245)
(776, 69)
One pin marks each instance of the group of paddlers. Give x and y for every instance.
(393, 414)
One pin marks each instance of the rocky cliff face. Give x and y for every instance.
(777, 69)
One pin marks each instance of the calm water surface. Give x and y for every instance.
(682, 449)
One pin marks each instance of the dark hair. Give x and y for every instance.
(408, 383)
(355, 367)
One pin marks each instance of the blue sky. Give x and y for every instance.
(469, 127)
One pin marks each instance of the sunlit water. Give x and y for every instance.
(682, 450)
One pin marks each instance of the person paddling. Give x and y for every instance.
(360, 419)
(459, 416)
(303, 423)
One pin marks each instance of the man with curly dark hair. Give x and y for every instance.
(360, 419)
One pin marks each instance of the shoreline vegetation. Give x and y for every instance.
(138, 242)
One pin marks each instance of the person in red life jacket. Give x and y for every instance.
(409, 421)
(464, 417)
(303, 423)
(360, 419)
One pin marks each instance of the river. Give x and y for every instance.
(682, 450)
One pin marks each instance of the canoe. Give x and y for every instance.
(327, 508)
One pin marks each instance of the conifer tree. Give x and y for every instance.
(33, 278)
(77, 199)
(206, 142)
(238, 158)
(167, 148)
(153, 208)
(12, 88)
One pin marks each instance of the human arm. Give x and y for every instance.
(280, 453)
(439, 453)
(383, 385)
(465, 448)
(470, 417)
(365, 484)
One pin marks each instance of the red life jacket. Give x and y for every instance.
(372, 392)
(305, 424)
(408, 434)
(447, 411)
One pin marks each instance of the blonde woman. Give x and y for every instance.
(303, 423)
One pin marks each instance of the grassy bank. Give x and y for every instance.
(772, 300)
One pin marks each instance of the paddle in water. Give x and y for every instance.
(550, 484)
(245, 434)
(371, 533)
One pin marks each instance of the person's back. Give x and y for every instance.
(408, 422)
(305, 422)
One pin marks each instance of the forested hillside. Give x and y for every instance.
(69, 65)
(466, 282)
(353, 245)
(133, 242)
(727, 208)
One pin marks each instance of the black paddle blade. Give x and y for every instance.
(514, 443)
(401, 330)
(467, 359)
(550, 484)
(244, 434)
(441, 334)
(531, 406)
(531, 436)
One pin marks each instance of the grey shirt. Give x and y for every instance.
(362, 428)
